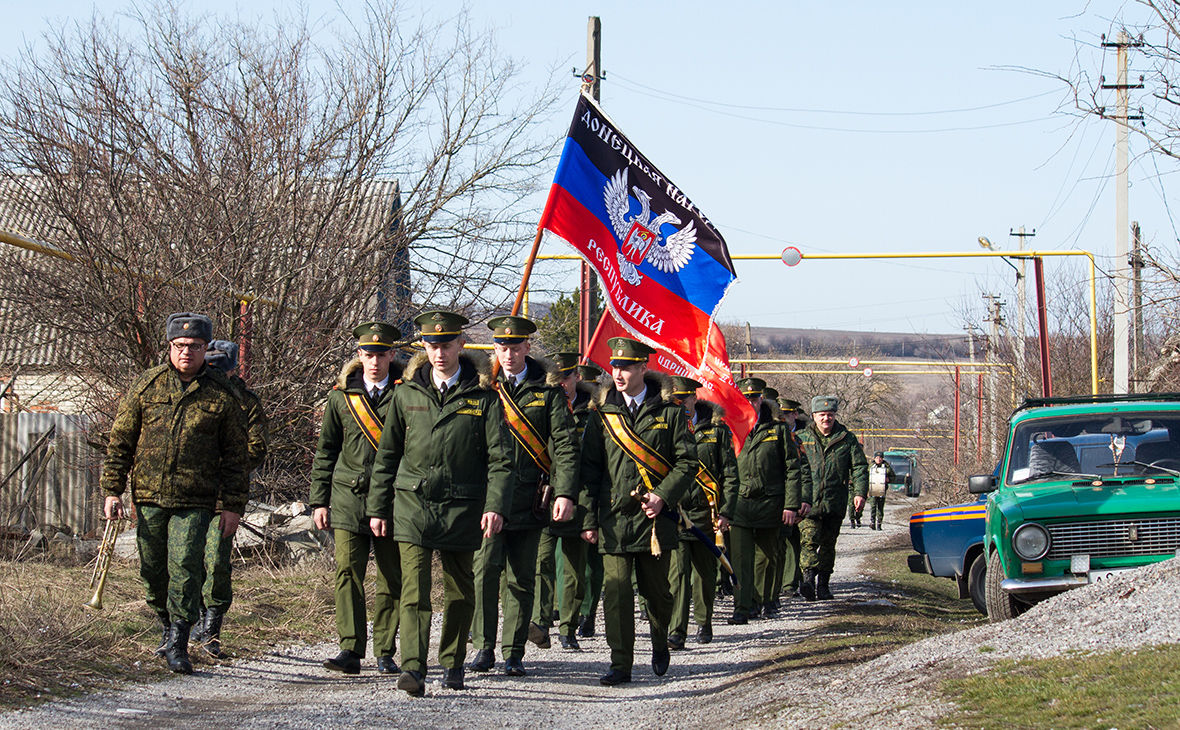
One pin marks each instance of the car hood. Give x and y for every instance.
(1056, 500)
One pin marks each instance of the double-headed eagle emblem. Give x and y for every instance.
(641, 236)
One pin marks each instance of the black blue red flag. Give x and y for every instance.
(664, 267)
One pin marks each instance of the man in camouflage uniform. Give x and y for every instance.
(544, 457)
(563, 536)
(637, 457)
(217, 595)
(693, 572)
(770, 493)
(180, 435)
(443, 476)
(837, 461)
(341, 477)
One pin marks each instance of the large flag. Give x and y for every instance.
(664, 267)
(715, 376)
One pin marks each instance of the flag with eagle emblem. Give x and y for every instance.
(664, 267)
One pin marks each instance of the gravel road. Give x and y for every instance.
(722, 682)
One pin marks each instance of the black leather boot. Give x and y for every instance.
(198, 631)
(807, 587)
(165, 625)
(176, 649)
(822, 591)
(211, 632)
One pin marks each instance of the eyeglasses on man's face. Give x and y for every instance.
(189, 346)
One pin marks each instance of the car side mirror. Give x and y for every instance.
(981, 483)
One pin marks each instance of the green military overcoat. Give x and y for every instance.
(837, 464)
(715, 452)
(580, 412)
(769, 476)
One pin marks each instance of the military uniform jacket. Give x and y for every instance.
(341, 474)
(610, 474)
(715, 453)
(580, 414)
(441, 464)
(838, 466)
(257, 434)
(183, 445)
(769, 475)
(544, 404)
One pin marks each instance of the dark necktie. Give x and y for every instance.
(634, 408)
(375, 393)
(442, 392)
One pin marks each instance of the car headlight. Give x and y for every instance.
(1030, 541)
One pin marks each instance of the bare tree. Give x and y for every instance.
(286, 183)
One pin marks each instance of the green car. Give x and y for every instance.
(1088, 486)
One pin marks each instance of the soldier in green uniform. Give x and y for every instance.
(792, 574)
(544, 457)
(341, 477)
(217, 595)
(694, 567)
(588, 375)
(563, 536)
(770, 493)
(837, 461)
(180, 434)
(638, 456)
(443, 476)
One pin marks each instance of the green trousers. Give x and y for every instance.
(511, 554)
(755, 557)
(217, 592)
(458, 606)
(171, 554)
(692, 573)
(352, 562)
(573, 581)
(594, 579)
(878, 513)
(651, 575)
(792, 573)
(853, 512)
(817, 538)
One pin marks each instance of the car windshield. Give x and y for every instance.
(1095, 445)
(901, 467)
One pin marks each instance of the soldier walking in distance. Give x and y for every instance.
(217, 594)
(837, 466)
(180, 434)
(694, 567)
(770, 493)
(792, 574)
(341, 476)
(443, 477)
(564, 536)
(880, 474)
(544, 481)
(588, 375)
(637, 458)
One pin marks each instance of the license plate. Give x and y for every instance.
(1097, 576)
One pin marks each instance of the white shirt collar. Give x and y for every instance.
(518, 377)
(369, 384)
(450, 382)
(637, 400)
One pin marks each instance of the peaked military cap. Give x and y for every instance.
(438, 325)
(376, 336)
(589, 372)
(822, 403)
(751, 386)
(682, 386)
(626, 351)
(770, 393)
(789, 405)
(509, 330)
(188, 324)
(566, 362)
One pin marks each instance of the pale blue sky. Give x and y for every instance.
(841, 127)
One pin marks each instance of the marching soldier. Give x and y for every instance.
(563, 535)
(880, 474)
(638, 457)
(341, 477)
(792, 574)
(770, 493)
(443, 477)
(694, 567)
(588, 374)
(544, 456)
(837, 462)
(217, 595)
(180, 434)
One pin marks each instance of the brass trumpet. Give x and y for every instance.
(102, 564)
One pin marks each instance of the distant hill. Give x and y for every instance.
(792, 340)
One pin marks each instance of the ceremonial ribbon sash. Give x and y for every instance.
(645, 457)
(368, 420)
(525, 433)
(711, 489)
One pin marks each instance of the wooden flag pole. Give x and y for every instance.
(524, 285)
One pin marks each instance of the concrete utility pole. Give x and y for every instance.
(1021, 299)
(1137, 306)
(996, 318)
(1121, 267)
(591, 81)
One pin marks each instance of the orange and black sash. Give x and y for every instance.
(362, 410)
(645, 457)
(525, 432)
(708, 485)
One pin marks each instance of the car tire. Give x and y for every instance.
(1001, 605)
(976, 583)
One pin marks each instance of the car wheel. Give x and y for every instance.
(1001, 605)
(976, 583)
